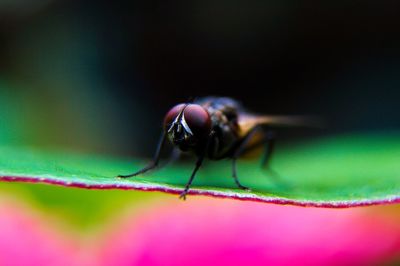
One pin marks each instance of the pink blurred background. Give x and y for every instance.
(203, 231)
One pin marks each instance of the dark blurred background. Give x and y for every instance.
(99, 76)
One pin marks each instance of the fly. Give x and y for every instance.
(216, 128)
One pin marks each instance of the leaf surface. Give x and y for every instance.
(343, 171)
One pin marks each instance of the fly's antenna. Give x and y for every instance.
(181, 113)
(180, 122)
(179, 119)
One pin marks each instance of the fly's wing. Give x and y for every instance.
(248, 121)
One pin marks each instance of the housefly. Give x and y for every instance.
(216, 128)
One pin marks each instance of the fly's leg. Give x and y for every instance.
(234, 175)
(239, 151)
(269, 149)
(269, 141)
(199, 162)
(155, 161)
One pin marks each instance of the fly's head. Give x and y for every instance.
(187, 125)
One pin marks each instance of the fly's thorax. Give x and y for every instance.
(187, 125)
(226, 134)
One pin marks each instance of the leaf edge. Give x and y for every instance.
(248, 196)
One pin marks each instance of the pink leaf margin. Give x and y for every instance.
(204, 192)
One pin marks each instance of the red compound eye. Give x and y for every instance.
(172, 115)
(198, 120)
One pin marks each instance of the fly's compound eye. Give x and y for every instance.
(187, 124)
(197, 120)
(172, 115)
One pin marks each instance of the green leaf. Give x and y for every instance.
(79, 207)
(343, 171)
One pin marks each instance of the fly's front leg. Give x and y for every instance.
(187, 187)
(155, 161)
(199, 162)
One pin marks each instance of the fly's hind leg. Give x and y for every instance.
(234, 175)
(242, 148)
(269, 141)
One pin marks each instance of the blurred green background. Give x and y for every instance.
(98, 76)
